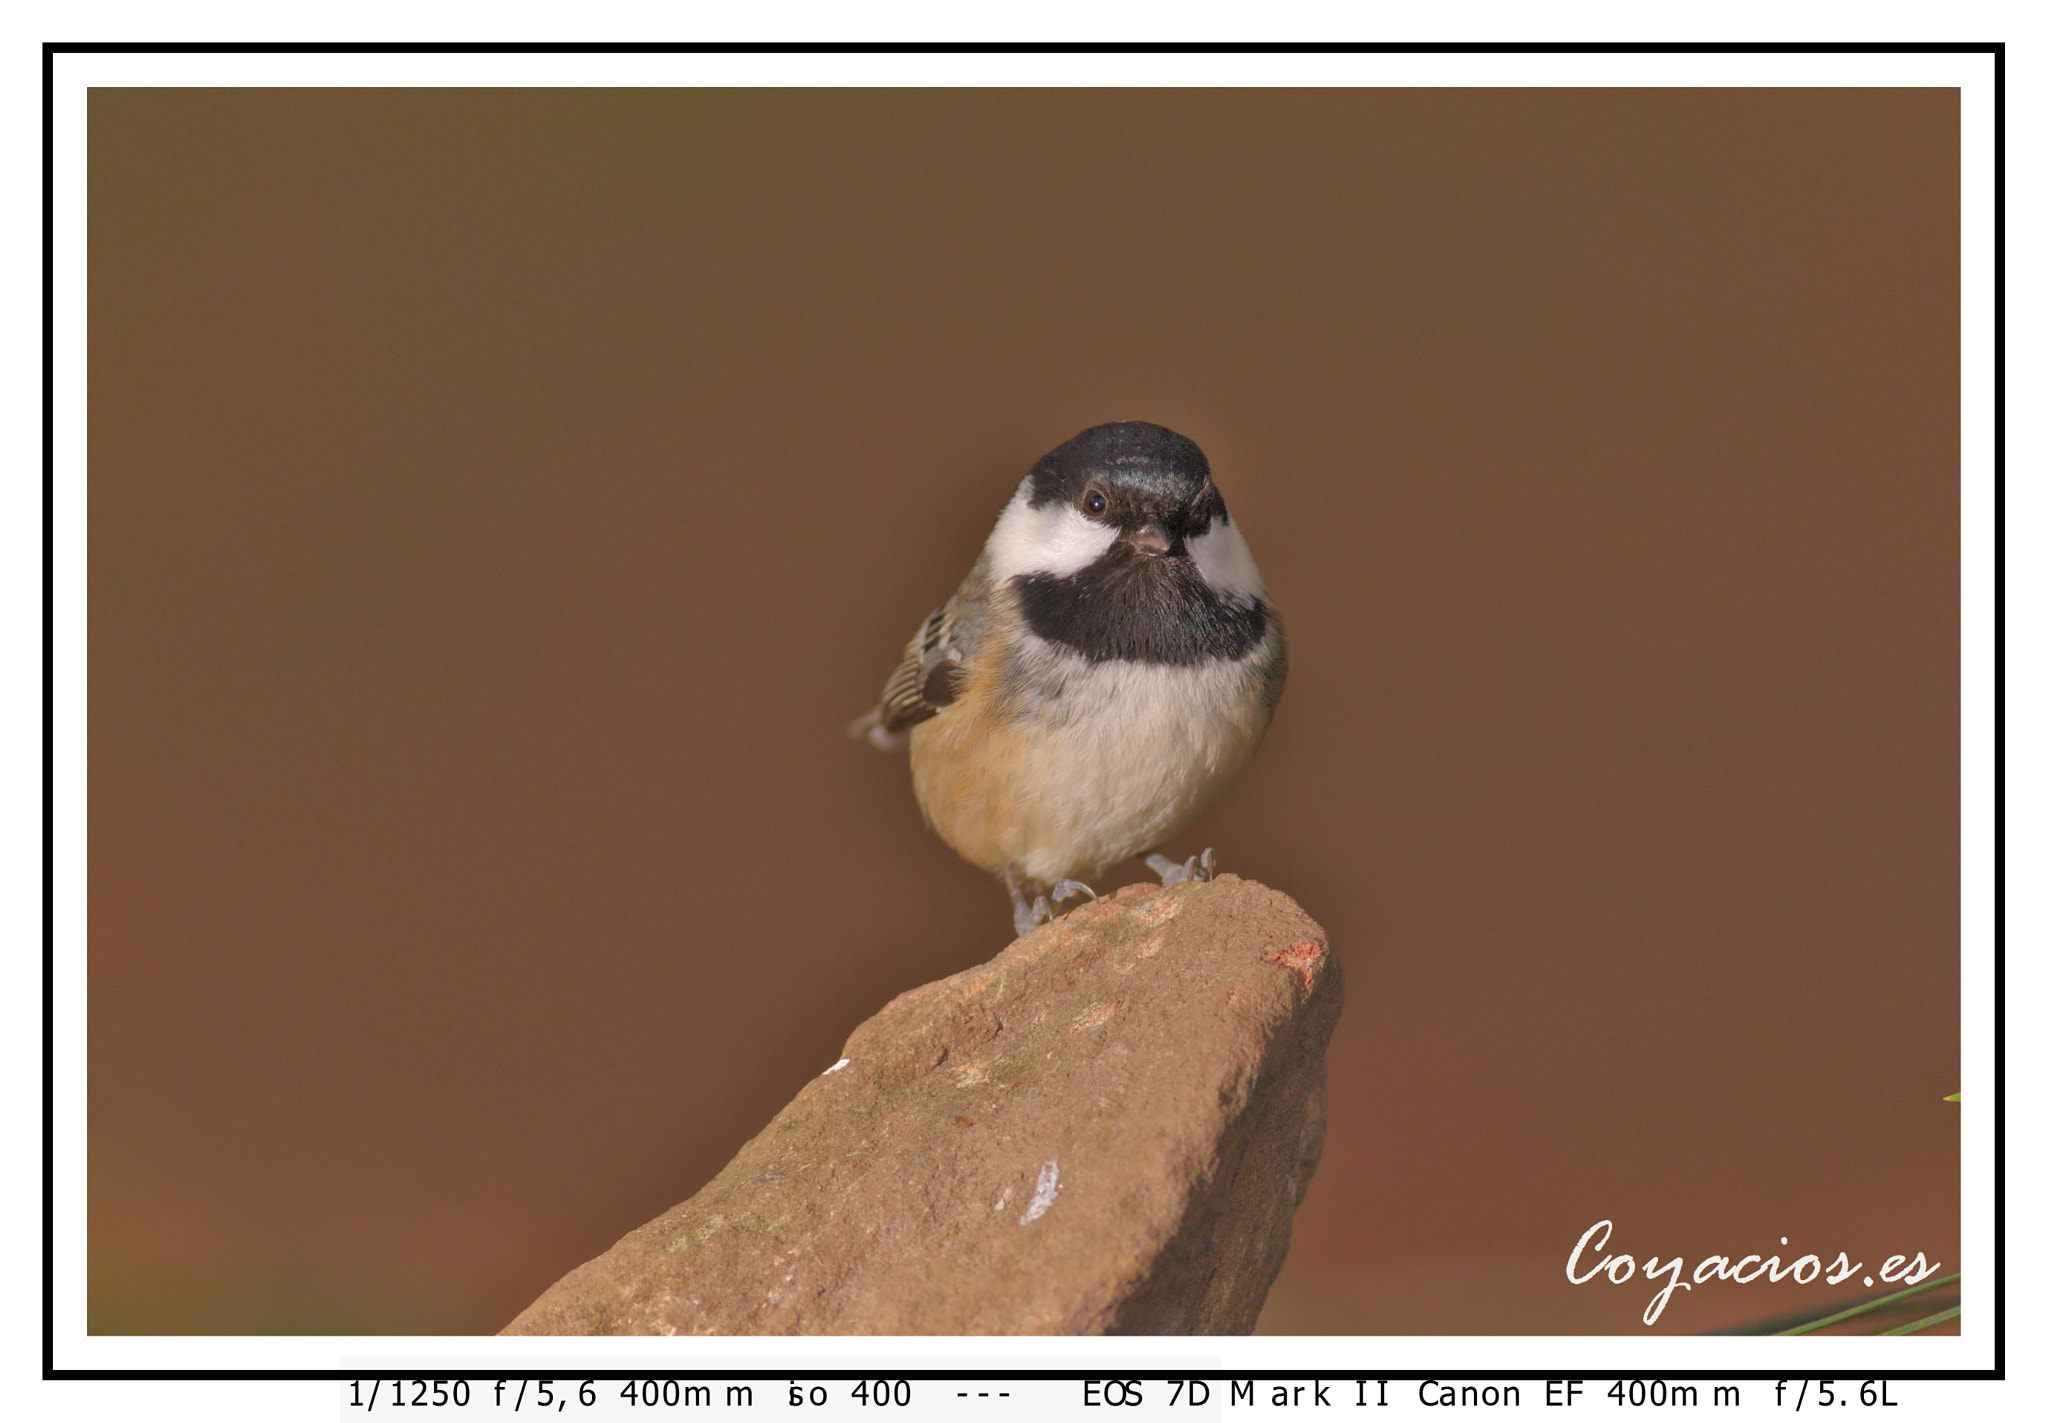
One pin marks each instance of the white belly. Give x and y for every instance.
(1123, 758)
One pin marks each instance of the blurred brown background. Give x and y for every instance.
(501, 501)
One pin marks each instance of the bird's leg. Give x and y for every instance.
(1027, 911)
(1199, 868)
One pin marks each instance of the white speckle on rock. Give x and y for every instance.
(1043, 1194)
(835, 1067)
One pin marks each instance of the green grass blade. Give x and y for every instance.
(1879, 1303)
(1939, 1317)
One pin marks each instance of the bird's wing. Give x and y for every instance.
(922, 685)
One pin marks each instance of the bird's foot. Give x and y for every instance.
(1029, 916)
(1029, 909)
(1027, 913)
(1200, 868)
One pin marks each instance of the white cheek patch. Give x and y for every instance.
(1225, 562)
(1057, 539)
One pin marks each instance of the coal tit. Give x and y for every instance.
(1104, 672)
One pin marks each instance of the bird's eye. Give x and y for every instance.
(1092, 503)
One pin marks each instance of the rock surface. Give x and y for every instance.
(1104, 1129)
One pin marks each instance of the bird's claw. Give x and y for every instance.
(1068, 888)
(1200, 868)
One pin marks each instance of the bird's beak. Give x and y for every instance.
(1150, 539)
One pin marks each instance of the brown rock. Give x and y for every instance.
(1103, 1130)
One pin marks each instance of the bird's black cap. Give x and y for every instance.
(1149, 460)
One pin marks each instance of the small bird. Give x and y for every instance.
(1105, 670)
